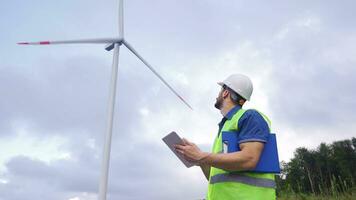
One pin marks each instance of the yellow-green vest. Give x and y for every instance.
(225, 185)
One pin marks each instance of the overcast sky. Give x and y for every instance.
(299, 54)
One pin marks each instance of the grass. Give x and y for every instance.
(349, 195)
(312, 197)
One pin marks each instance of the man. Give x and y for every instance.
(231, 175)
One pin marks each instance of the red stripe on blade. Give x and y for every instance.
(45, 42)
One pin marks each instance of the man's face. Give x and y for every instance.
(219, 99)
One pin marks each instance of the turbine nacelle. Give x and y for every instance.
(111, 46)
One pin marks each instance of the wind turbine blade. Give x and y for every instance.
(82, 41)
(121, 19)
(155, 72)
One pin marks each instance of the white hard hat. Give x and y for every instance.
(240, 84)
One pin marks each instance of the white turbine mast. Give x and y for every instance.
(112, 43)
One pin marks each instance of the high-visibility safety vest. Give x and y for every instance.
(225, 185)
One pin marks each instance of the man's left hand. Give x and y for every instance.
(191, 151)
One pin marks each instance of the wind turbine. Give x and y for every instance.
(112, 43)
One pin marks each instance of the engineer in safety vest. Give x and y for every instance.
(231, 175)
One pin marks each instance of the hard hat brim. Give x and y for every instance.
(221, 84)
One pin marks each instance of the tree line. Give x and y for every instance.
(330, 169)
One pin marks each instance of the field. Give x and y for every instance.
(293, 196)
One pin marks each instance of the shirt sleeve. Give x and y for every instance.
(252, 128)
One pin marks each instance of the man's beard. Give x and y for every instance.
(219, 102)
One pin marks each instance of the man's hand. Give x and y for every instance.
(191, 151)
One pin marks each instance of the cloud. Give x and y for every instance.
(140, 166)
(78, 174)
(27, 177)
(315, 78)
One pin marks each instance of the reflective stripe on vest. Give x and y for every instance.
(239, 178)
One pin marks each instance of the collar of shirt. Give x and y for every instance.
(229, 116)
(232, 112)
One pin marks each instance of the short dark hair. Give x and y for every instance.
(235, 98)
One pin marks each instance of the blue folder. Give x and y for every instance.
(268, 163)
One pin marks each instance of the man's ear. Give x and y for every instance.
(225, 94)
(241, 102)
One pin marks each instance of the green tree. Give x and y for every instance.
(327, 170)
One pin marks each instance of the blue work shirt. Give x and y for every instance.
(252, 127)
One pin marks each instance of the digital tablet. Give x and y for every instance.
(172, 139)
